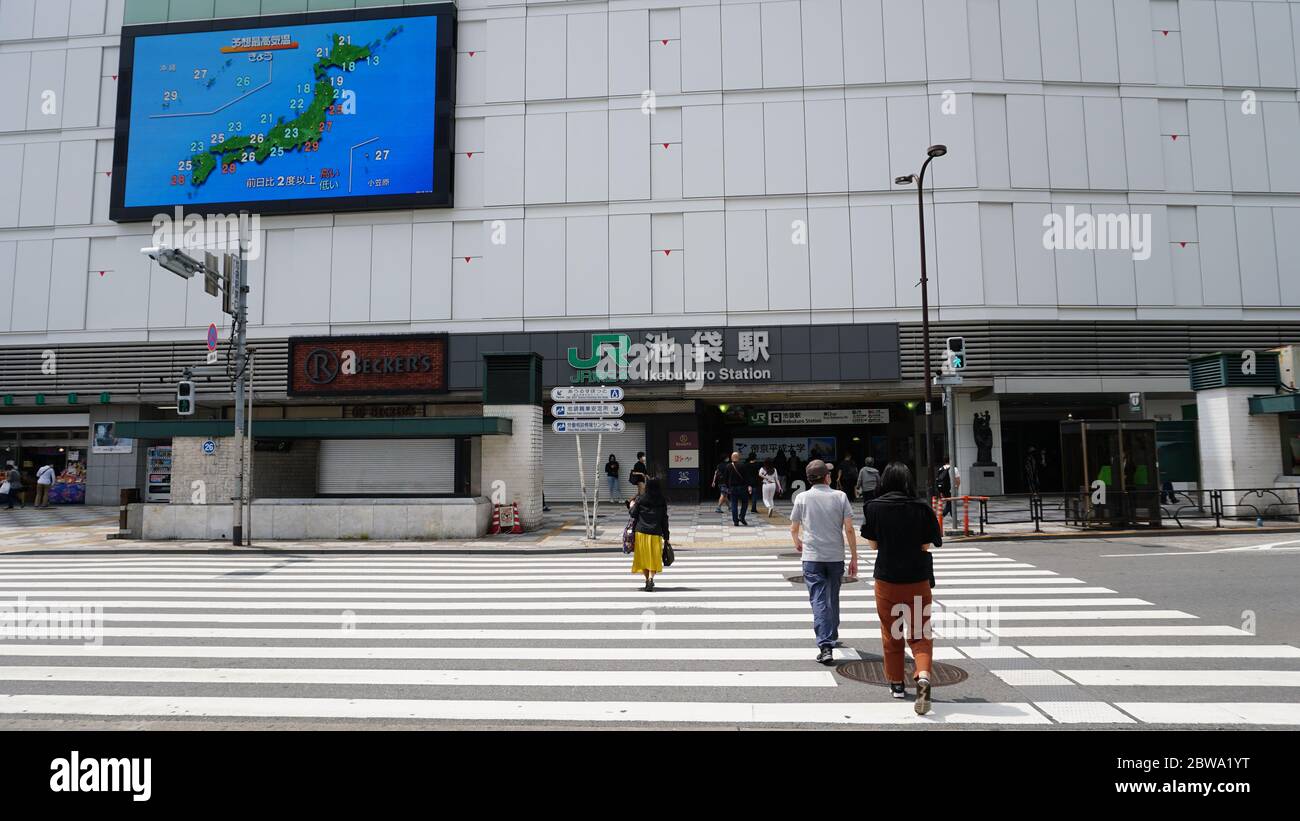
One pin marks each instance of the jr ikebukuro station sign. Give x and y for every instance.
(693, 357)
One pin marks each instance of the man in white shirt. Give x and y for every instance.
(821, 521)
(948, 483)
(44, 478)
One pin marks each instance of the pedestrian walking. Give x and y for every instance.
(782, 465)
(901, 528)
(797, 470)
(720, 482)
(44, 478)
(771, 485)
(639, 473)
(14, 480)
(649, 511)
(612, 476)
(868, 480)
(848, 475)
(948, 483)
(754, 481)
(820, 523)
(737, 491)
(1031, 470)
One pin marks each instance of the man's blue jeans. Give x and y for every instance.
(739, 497)
(823, 582)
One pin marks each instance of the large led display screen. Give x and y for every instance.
(334, 111)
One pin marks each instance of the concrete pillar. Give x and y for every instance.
(967, 451)
(1237, 450)
(516, 460)
(215, 470)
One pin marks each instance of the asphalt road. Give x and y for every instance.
(1130, 633)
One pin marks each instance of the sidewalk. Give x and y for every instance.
(693, 526)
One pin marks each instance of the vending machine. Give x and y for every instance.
(158, 480)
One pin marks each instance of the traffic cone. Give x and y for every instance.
(518, 526)
(496, 520)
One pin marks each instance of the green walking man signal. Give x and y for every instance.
(957, 352)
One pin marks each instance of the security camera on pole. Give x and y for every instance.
(233, 277)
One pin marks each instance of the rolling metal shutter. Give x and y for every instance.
(560, 461)
(387, 467)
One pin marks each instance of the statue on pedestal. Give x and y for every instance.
(983, 439)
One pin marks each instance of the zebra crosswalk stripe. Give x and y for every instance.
(570, 639)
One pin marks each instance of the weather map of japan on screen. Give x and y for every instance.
(286, 114)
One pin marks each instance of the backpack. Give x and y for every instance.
(943, 482)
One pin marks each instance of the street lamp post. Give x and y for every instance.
(930, 154)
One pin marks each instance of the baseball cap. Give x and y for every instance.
(816, 469)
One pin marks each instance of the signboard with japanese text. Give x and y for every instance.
(588, 410)
(691, 356)
(683, 459)
(856, 416)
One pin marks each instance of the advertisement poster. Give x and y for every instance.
(103, 440)
(804, 447)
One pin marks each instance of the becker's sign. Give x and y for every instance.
(367, 365)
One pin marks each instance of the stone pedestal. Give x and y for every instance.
(982, 480)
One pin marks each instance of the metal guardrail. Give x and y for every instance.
(1124, 509)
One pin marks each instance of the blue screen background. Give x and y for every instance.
(395, 102)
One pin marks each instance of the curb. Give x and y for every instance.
(1109, 534)
(434, 550)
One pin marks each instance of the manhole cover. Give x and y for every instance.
(873, 672)
(799, 579)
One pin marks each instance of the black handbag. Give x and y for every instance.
(669, 557)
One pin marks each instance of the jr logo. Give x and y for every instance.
(618, 343)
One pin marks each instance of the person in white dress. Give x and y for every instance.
(771, 485)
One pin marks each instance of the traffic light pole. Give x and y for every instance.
(240, 305)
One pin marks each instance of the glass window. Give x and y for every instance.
(1291, 444)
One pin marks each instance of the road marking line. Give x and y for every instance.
(1083, 712)
(647, 616)
(1129, 630)
(1169, 651)
(1254, 713)
(426, 678)
(794, 603)
(628, 584)
(576, 711)
(615, 592)
(423, 653)
(1185, 678)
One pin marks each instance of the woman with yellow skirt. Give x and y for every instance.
(650, 513)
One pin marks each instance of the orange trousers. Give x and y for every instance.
(904, 611)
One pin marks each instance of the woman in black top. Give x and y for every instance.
(612, 477)
(650, 513)
(902, 528)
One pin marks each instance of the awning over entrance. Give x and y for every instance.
(1282, 403)
(443, 427)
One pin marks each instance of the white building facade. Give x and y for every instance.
(695, 164)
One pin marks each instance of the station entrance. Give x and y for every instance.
(791, 435)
